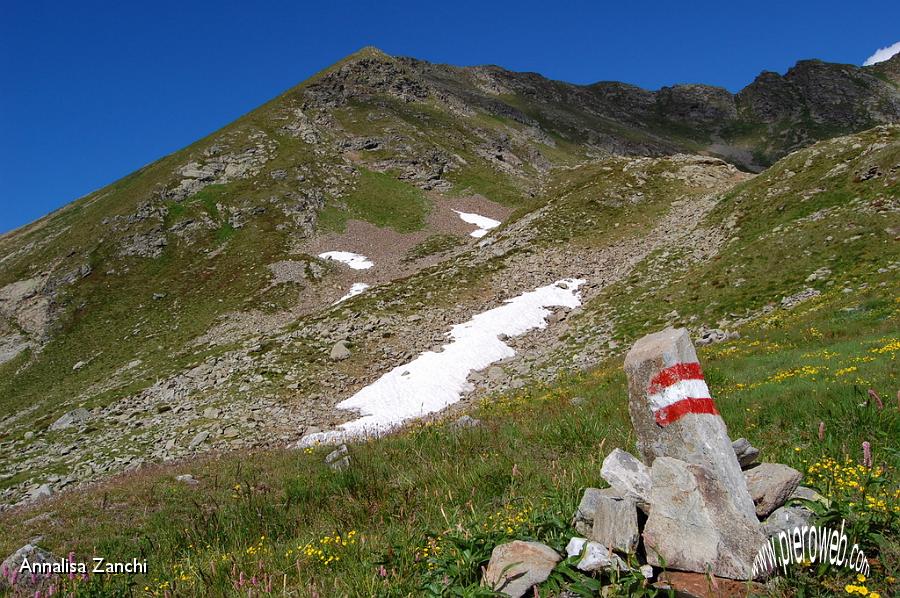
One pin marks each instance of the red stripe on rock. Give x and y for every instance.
(676, 411)
(673, 374)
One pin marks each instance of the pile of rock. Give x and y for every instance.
(696, 504)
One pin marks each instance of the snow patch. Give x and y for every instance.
(354, 260)
(355, 289)
(432, 381)
(483, 223)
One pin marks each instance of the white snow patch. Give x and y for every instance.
(432, 381)
(483, 223)
(354, 260)
(882, 54)
(355, 289)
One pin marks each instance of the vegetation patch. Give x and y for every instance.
(381, 199)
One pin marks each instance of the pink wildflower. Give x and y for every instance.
(874, 395)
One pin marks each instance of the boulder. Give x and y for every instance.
(696, 585)
(583, 520)
(770, 485)
(517, 566)
(594, 556)
(339, 351)
(339, 458)
(9, 569)
(675, 416)
(198, 439)
(804, 493)
(628, 476)
(785, 519)
(76, 416)
(41, 492)
(745, 452)
(693, 524)
(187, 479)
(616, 523)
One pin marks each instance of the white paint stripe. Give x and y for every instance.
(684, 389)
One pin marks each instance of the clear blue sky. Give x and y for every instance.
(93, 90)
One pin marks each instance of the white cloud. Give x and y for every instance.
(882, 54)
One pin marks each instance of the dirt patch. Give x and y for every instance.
(387, 248)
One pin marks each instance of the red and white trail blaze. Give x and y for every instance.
(678, 390)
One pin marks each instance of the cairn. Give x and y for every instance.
(694, 510)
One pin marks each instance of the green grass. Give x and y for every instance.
(435, 244)
(462, 491)
(381, 199)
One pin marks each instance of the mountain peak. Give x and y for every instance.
(370, 52)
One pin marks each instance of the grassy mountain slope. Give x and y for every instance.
(185, 309)
(419, 512)
(144, 298)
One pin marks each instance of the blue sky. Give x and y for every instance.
(93, 90)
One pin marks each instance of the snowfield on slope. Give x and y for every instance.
(483, 223)
(355, 289)
(433, 381)
(354, 260)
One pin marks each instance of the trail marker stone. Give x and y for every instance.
(674, 415)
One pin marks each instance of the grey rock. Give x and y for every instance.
(495, 373)
(211, 413)
(14, 562)
(616, 523)
(466, 422)
(693, 524)
(696, 438)
(583, 520)
(187, 479)
(770, 485)
(796, 299)
(517, 566)
(339, 458)
(339, 351)
(804, 493)
(746, 453)
(198, 439)
(71, 418)
(628, 476)
(785, 519)
(712, 336)
(595, 556)
(41, 492)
